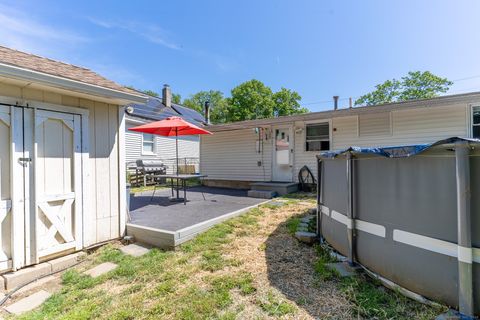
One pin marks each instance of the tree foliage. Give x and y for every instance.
(250, 100)
(218, 104)
(176, 98)
(254, 100)
(415, 85)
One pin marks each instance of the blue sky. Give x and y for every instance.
(318, 48)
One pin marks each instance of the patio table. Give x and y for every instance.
(183, 178)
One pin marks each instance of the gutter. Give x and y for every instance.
(68, 84)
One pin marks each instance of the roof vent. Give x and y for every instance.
(335, 102)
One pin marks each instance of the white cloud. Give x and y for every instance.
(149, 32)
(23, 32)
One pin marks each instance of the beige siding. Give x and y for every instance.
(102, 203)
(409, 126)
(232, 155)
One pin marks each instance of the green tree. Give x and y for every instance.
(150, 93)
(250, 100)
(287, 102)
(416, 85)
(176, 98)
(218, 104)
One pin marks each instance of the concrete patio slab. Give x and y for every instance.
(135, 250)
(29, 303)
(101, 269)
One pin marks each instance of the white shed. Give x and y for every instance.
(61, 158)
(263, 150)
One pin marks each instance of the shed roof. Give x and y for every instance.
(37, 63)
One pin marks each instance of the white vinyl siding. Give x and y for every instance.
(374, 124)
(409, 126)
(232, 155)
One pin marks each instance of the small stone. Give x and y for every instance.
(101, 269)
(306, 237)
(135, 250)
(29, 303)
(343, 268)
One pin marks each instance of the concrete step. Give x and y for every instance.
(282, 188)
(262, 194)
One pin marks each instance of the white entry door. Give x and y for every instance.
(282, 169)
(57, 209)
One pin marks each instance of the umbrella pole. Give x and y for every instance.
(176, 147)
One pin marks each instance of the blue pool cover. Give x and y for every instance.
(393, 152)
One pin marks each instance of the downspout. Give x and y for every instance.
(350, 211)
(464, 232)
(319, 199)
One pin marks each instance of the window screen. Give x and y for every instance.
(476, 122)
(317, 137)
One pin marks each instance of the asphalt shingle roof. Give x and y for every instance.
(64, 70)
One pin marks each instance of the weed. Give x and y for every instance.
(274, 306)
(292, 225)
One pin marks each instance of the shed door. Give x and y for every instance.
(5, 188)
(57, 173)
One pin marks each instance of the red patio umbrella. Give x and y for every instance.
(169, 127)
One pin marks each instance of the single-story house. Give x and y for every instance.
(62, 161)
(153, 147)
(264, 150)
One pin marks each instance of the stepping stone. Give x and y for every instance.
(100, 269)
(307, 219)
(135, 250)
(306, 237)
(29, 303)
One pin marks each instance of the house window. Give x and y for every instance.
(148, 144)
(317, 137)
(476, 122)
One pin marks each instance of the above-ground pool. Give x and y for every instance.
(410, 214)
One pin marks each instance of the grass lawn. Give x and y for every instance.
(249, 267)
